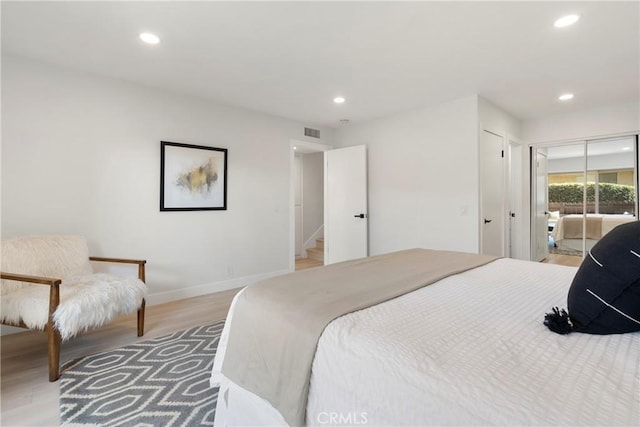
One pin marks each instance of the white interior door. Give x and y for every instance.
(346, 219)
(541, 219)
(492, 189)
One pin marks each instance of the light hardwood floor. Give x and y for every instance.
(302, 263)
(28, 398)
(570, 260)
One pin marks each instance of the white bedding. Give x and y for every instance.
(468, 350)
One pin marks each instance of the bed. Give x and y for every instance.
(568, 230)
(470, 349)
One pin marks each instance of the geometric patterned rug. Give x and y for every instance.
(159, 382)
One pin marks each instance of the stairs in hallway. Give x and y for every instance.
(317, 253)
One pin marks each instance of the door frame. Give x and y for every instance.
(517, 189)
(304, 147)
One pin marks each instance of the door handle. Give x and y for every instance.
(487, 221)
(360, 216)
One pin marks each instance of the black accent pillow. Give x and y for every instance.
(604, 297)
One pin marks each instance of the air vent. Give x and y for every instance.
(313, 133)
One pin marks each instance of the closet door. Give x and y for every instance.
(592, 188)
(611, 187)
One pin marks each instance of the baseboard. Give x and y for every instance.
(209, 288)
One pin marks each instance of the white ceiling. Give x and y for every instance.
(292, 58)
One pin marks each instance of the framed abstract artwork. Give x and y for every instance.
(192, 177)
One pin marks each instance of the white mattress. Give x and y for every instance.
(468, 350)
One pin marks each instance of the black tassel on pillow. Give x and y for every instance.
(558, 321)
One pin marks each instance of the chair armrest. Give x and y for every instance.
(54, 293)
(140, 262)
(30, 279)
(121, 260)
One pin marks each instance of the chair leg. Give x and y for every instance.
(141, 318)
(53, 338)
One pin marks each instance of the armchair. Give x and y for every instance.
(48, 284)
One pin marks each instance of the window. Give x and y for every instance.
(608, 192)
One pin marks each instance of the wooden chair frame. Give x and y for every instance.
(53, 335)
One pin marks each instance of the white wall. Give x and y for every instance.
(81, 154)
(604, 121)
(497, 120)
(313, 194)
(423, 177)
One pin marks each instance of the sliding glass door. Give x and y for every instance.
(592, 186)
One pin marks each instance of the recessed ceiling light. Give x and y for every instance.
(565, 97)
(626, 148)
(149, 38)
(565, 21)
(295, 148)
(338, 100)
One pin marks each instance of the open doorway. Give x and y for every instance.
(307, 204)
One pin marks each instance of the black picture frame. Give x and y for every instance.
(192, 177)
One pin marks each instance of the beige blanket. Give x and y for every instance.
(277, 323)
(573, 227)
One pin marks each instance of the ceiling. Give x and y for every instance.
(291, 59)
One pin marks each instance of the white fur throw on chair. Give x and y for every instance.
(87, 300)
